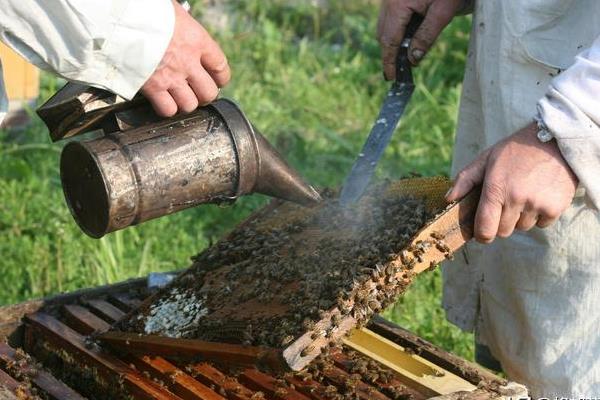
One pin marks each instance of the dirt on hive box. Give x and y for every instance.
(298, 278)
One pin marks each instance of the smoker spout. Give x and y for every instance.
(276, 178)
(261, 167)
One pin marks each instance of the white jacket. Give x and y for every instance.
(111, 44)
(534, 298)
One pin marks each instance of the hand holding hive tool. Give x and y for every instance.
(386, 122)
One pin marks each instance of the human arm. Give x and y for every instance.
(524, 183)
(113, 44)
(523, 175)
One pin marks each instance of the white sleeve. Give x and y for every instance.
(571, 112)
(112, 44)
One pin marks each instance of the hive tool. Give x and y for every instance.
(386, 122)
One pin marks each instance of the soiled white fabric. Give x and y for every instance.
(111, 44)
(571, 112)
(534, 298)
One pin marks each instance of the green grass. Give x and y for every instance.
(310, 79)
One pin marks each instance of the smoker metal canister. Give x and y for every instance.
(209, 156)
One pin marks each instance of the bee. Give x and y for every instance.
(362, 279)
(366, 270)
(372, 376)
(281, 383)
(442, 247)
(390, 269)
(304, 375)
(374, 305)
(287, 340)
(330, 389)
(308, 324)
(335, 319)
(345, 309)
(404, 257)
(307, 350)
(437, 235)
(432, 265)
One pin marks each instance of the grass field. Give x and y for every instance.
(309, 77)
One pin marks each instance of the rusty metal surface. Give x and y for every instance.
(213, 155)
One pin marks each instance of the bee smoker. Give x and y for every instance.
(145, 167)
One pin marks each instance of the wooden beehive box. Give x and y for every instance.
(20, 78)
(297, 280)
(46, 353)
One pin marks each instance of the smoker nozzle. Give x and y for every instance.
(276, 178)
(261, 167)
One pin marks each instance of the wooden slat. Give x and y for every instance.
(67, 339)
(185, 349)
(124, 302)
(257, 380)
(455, 225)
(83, 320)
(413, 370)
(11, 386)
(388, 388)
(177, 380)
(105, 310)
(43, 380)
(309, 387)
(20, 77)
(339, 378)
(209, 375)
(465, 369)
(6, 394)
(10, 316)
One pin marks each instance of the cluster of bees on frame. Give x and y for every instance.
(361, 376)
(320, 265)
(24, 368)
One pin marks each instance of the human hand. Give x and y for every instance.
(525, 183)
(395, 15)
(191, 71)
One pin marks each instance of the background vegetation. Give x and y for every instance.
(308, 75)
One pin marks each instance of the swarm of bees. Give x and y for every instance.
(301, 271)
